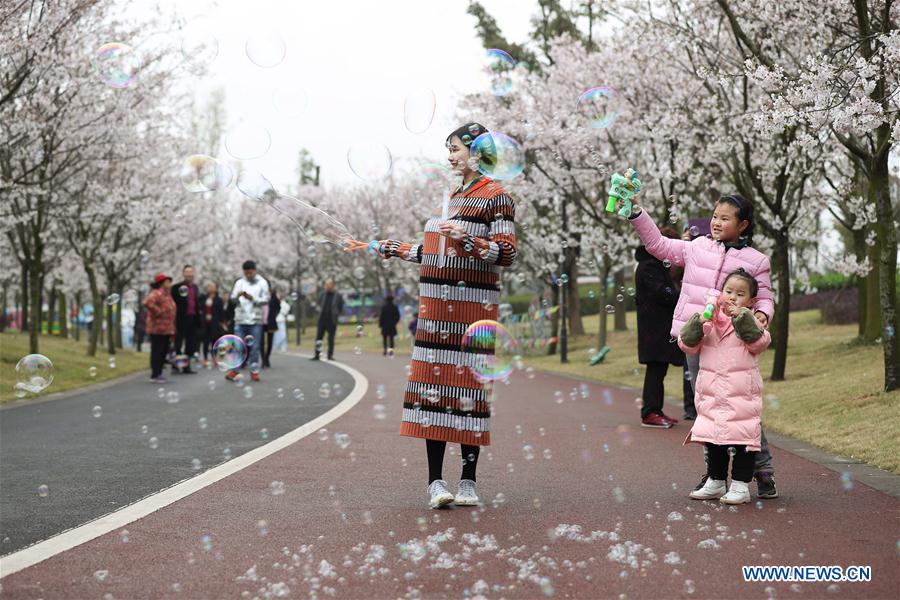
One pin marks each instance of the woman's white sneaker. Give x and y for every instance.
(465, 493)
(739, 493)
(439, 493)
(712, 489)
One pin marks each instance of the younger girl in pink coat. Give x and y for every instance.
(728, 388)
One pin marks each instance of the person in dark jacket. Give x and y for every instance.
(228, 314)
(331, 305)
(270, 326)
(387, 321)
(213, 310)
(656, 295)
(140, 327)
(188, 318)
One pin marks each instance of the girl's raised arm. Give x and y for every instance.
(656, 243)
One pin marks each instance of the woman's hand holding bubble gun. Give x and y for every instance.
(625, 188)
(374, 246)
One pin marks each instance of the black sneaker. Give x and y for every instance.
(314, 358)
(765, 486)
(702, 482)
(689, 416)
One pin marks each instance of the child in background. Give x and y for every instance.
(728, 388)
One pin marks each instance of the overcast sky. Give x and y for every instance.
(356, 60)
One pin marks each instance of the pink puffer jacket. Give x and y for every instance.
(706, 264)
(728, 393)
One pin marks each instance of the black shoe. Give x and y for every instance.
(765, 486)
(330, 358)
(314, 357)
(189, 372)
(689, 416)
(702, 482)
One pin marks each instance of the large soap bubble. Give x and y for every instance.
(201, 173)
(418, 110)
(246, 141)
(254, 185)
(497, 155)
(265, 48)
(598, 107)
(229, 352)
(369, 160)
(34, 373)
(499, 66)
(116, 63)
(490, 350)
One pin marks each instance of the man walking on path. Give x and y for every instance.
(250, 294)
(331, 305)
(187, 318)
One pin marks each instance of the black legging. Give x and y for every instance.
(741, 463)
(266, 350)
(159, 345)
(387, 341)
(435, 450)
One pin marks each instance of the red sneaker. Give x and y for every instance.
(231, 375)
(254, 376)
(672, 420)
(656, 421)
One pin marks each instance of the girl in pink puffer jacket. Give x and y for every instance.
(707, 260)
(728, 389)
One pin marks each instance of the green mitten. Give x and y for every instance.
(692, 331)
(746, 327)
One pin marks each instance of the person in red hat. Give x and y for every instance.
(160, 323)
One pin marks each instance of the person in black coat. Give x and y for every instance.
(387, 321)
(228, 315)
(331, 305)
(213, 310)
(270, 326)
(656, 294)
(188, 320)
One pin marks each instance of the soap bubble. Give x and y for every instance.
(153, 442)
(247, 140)
(499, 66)
(117, 64)
(34, 373)
(249, 340)
(92, 371)
(378, 411)
(202, 173)
(254, 185)
(265, 48)
(499, 156)
(489, 350)
(369, 160)
(610, 309)
(418, 110)
(229, 352)
(196, 464)
(324, 391)
(694, 231)
(43, 491)
(264, 433)
(97, 411)
(112, 299)
(597, 107)
(183, 291)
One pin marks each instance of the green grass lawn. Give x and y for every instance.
(70, 362)
(832, 396)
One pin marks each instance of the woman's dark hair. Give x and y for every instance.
(485, 148)
(745, 213)
(742, 274)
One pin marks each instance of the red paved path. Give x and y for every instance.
(611, 510)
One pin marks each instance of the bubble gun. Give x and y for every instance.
(711, 300)
(623, 188)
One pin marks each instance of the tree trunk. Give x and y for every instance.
(63, 317)
(118, 331)
(886, 233)
(110, 328)
(77, 315)
(576, 323)
(97, 325)
(4, 308)
(781, 322)
(620, 323)
(23, 315)
(34, 323)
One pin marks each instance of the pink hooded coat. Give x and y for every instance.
(728, 393)
(706, 264)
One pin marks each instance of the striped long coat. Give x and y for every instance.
(443, 400)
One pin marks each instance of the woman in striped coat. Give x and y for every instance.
(459, 284)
